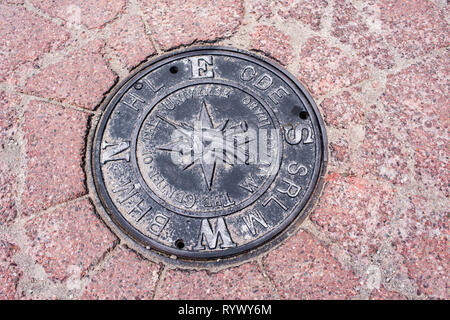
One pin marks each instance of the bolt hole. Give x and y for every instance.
(179, 244)
(173, 69)
(303, 115)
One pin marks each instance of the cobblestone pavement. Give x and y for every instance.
(379, 71)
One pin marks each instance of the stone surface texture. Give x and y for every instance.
(379, 73)
(90, 13)
(191, 21)
(125, 276)
(273, 42)
(9, 125)
(67, 80)
(243, 282)
(25, 37)
(10, 273)
(54, 144)
(128, 41)
(68, 240)
(303, 268)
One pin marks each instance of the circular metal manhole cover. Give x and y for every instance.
(210, 153)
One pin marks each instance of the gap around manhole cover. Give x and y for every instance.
(210, 155)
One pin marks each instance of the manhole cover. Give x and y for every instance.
(210, 153)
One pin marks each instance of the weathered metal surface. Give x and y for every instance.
(206, 154)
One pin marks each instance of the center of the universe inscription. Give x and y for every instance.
(208, 149)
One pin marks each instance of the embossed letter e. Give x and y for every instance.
(202, 67)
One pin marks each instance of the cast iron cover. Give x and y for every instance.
(207, 154)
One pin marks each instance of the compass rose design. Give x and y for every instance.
(205, 143)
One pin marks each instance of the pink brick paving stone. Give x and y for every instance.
(382, 153)
(25, 37)
(191, 21)
(308, 12)
(67, 80)
(68, 240)
(125, 275)
(8, 117)
(273, 43)
(305, 269)
(54, 149)
(243, 282)
(427, 262)
(8, 210)
(129, 42)
(417, 99)
(10, 273)
(339, 155)
(324, 68)
(90, 13)
(262, 8)
(342, 111)
(414, 27)
(422, 237)
(355, 212)
(361, 29)
(383, 294)
(9, 124)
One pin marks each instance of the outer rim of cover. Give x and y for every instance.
(157, 252)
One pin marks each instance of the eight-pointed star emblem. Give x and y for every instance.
(206, 142)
